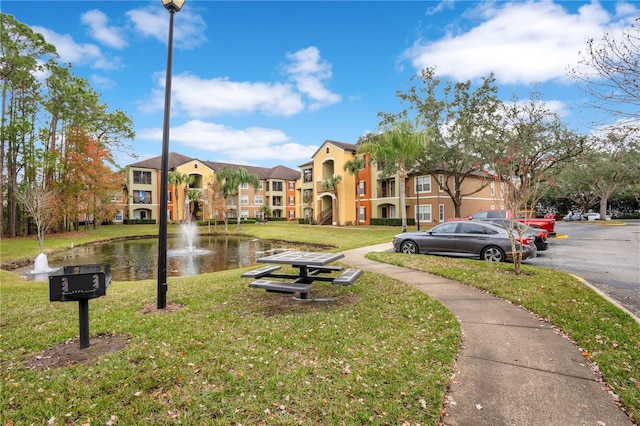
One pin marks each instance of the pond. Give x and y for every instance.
(137, 259)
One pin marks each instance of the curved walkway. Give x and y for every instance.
(512, 368)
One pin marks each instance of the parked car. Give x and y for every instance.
(573, 217)
(539, 235)
(555, 216)
(464, 239)
(594, 216)
(547, 224)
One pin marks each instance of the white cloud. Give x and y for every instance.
(200, 97)
(188, 26)
(77, 53)
(521, 42)
(250, 144)
(308, 71)
(99, 30)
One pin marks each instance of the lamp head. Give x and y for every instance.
(173, 5)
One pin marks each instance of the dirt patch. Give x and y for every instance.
(271, 304)
(69, 352)
(153, 309)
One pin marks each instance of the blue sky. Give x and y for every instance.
(266, 83)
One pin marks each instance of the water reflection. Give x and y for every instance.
(138, 259)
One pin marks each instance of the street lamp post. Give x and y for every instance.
(417, 204)
(172, 6)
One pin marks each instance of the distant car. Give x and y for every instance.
(539, 235)
(573, 217)
(594, 216)
(464, 239)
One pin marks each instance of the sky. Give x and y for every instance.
(265, 83)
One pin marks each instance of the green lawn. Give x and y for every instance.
(377, 352)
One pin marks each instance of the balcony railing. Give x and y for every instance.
(386, 193)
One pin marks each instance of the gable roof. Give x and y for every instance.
(263, 173)
(342, 145)
(175, 160)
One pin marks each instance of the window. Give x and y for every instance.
(276, 201)
(244, 185)
(119, 216)
(441, 212)
(292, 186)
(141, 177)
(244, 214)
(307, 175)
(441, 182)
(423, 213)
(362, 189)
(492, 186)
(244, 200)
(291, 214)
(362, 214)
(142, 197)
(261, 185)
(292, 200)
(446, 228)
(257, 199)
(423, 184)
(276, 186)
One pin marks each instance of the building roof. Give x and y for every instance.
(175, 160)
(342, 145)
(263, 173)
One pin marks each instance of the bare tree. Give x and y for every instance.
(40, 202)
(527, 148)
(609, 72)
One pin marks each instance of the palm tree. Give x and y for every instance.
(193, 195)
(353, 167)
(398, 147)
(231, 182)
(176, 179)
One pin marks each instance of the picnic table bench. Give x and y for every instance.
(310, 266)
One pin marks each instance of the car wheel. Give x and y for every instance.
(493, 254)
(409, 247)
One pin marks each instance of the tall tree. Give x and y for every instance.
(458, 118)
(22, 53)
(353, 167)
(232, 179)
(529, 145)
(613, 166)
(397, 147)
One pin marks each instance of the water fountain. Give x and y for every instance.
(41, 268)
(190, 238)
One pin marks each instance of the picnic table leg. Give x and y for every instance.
(304, 277)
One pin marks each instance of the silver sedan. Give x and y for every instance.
(465, 239)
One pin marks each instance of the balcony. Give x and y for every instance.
(386, 193)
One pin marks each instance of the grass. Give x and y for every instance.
(607, 335)
(378, 353)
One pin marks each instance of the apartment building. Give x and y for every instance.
(320, 191)
(356, 199)
(276, 191)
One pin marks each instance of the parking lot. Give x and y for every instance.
(608, 257)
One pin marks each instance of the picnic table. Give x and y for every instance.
(312, 266)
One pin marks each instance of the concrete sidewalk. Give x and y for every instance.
(512, 368)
